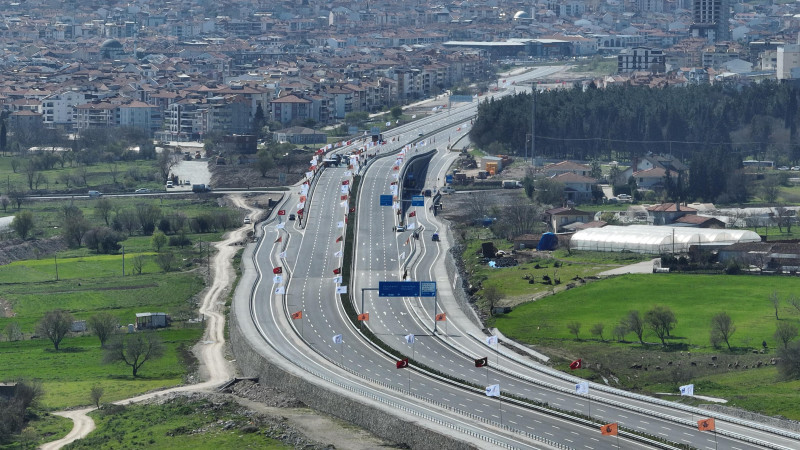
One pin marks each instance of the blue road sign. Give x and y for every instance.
(417, 200)
(448, 179)
(386, 200)
(427, 289)
(398, 289)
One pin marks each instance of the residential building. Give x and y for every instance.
(641, 59)
(710, 19)
(557, 218)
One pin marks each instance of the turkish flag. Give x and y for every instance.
(412, 214)
(339, 239)
(344, 197)
(577, 364)
(337, 271)
(345, 182)
(280, 238)
(364, 316)
(609, 430)
(402, 364)
(277, 270)
(299, 212)
(352, 210)
(441, 317)
(297, 315)
(281, 212)
(706, 425)
(481, 362)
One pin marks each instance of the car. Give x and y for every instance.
(246, 220)
(142, 191)
(400, 228)
(447, 190)
(187, 183)
(783, 168)
(95, 194)
(435, 237)
(796, 168)
(421, 134)
(169, 184)
(291, 217)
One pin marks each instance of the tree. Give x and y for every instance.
(31, 171)
(102, 209)
(492, 295)
(96, 394)
(597, 330)
(264, 163)
(575, 328)
(789, 361)
(633, 322)
(134, 349)
(13, 332)
(165, 261)
(104, 325)
(596, 171)
(75, 226)
(22, 224)
(770, 189)
(3, 137)
(4, 202)
(661, 320)
(16, 196)
(722, 328)
(55, 325)
(549, 191)
(785, 332)
(396, 112)
(137, 265)
(147, 215)
(159, 240)
(165, 164)
(775, 301)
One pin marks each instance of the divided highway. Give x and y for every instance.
(325, 344)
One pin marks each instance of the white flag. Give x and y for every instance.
(345, 189)
(343, 204)
(337, 339)
(341, 289)
(493, 390)
(337, 279)
(582, 387)
(309, 174)
(411, 226)
(281, 226)
(280, 290)
(388, 124)
(393, 189)
(491, 340)
(277, 279)
(395, 205)
(410, 338)
(414, 116)
(348, 173)
(396, 176)
(687, 390)
(301, 205)
(282, 255)
(304, 189)
(340, 224)
(338, 254)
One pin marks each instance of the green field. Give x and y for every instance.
(181, 424)
(693, 298)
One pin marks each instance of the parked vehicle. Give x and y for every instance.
(169, 184)
(426, 192)
(247, 220)
(511, 184)
(198, 188)
(400, 228)
(291, 216)
(447, 190)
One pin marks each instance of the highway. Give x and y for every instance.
(308, 257)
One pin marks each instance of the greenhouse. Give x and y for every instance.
(655, 239)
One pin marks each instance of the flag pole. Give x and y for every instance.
(500, 398)
(715, 438)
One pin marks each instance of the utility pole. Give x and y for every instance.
(123, 260)
(533, 120)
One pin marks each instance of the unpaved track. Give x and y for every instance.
(214, 368)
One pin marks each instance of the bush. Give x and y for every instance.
(179, 240)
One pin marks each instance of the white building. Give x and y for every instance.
(788, 62)
(58, 109)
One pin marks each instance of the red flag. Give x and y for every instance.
(277, 270)
(577, 364)
(339, 239)
(345, 182)
(402, 364)
(393, 183)
(706, 425)
(481, 362)
(441, 317)
(344, 197)
(281, 212)
(297, 315)
(609, 430)
(299, 212)
(337, 271)
(364, 316)
(413, 214)
(352, 210)
(280, 238)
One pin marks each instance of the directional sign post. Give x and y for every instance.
(409, 289)
(386, 200)
(448, 179)
(417, 200)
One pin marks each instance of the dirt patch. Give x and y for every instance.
(6, 310)
(17, 249)
(246, 176)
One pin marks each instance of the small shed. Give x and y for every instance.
(152, 320)
(525, 241)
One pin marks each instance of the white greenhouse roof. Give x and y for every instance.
(655, 239)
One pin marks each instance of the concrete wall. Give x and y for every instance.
(786, 424)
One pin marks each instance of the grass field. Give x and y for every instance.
(746, 379)
(180, 424)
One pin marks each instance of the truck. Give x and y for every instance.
(511, 184)
(200, 188)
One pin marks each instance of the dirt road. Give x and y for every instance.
(214, 368)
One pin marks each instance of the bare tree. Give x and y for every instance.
(785, 332)
(113, 170)
(575, 328)
(633, 322)
(4, 202)
(134, 349)
(13, 332)
(775, 301)
(794, 301)
(96, 394)
(492, 295)
(55, 325)
(31, 171)
(127, 220)
(138, 264)
(147, 215)
(165, 260)
(102, 209)
(619, 332)
(722, 328)
(83, 174)
(104, 325)
(16, 196)
(166, 162)
(789, 361)
(661, 320)
(75, 226)
(597, 330)
(479, 205)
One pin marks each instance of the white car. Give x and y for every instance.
(142, 191)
